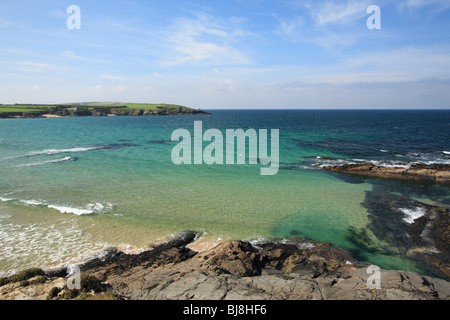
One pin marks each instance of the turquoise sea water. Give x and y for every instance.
(71, 187)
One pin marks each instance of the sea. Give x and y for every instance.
(72, 188)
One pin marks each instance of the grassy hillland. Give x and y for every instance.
(93, 109)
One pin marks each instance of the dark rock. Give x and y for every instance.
(237, 270)
(160, 141)
(420, 172)
(237, 258)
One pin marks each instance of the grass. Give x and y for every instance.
(99, 297)
(53, 293)
(21, 108)
(145, 106)
(22, 276)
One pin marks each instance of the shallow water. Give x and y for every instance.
(71, 187)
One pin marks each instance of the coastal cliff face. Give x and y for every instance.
(233, 270)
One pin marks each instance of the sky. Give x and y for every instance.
(228, 54)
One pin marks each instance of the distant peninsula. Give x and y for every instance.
(93, 109)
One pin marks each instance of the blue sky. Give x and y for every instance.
(228, 54)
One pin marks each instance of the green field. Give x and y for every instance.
(24, 108)
(145, 106)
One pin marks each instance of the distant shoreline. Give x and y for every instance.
(98, 109)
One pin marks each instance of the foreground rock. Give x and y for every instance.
(233, 270)
(420, 172)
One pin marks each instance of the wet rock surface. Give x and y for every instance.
(439, 173)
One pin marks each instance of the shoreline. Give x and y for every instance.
(185, 268)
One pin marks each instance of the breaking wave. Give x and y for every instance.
(90, 208)
(66, 159)
(50, 152)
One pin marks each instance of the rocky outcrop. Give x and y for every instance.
(235, 270)
(420, 172)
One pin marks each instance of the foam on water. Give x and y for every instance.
(33, 202)
(412, 214)
(58, 151)
(50, 152)
(65, 159)
(30, 245)
(90, 208)
(76, 211)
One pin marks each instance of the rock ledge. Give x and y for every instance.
(233, 270)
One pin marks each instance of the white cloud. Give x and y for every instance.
(28, 66)
(324, 13)
(72, 55)
(156, 74)
(289, 27)
(202, 40)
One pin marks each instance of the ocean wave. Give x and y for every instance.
(76, 211)
(33, 202)
(66, 159)
(51, 152)
(100, 207)
(90, 208)
(4, 199)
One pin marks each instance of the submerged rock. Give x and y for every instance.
(408, 228)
